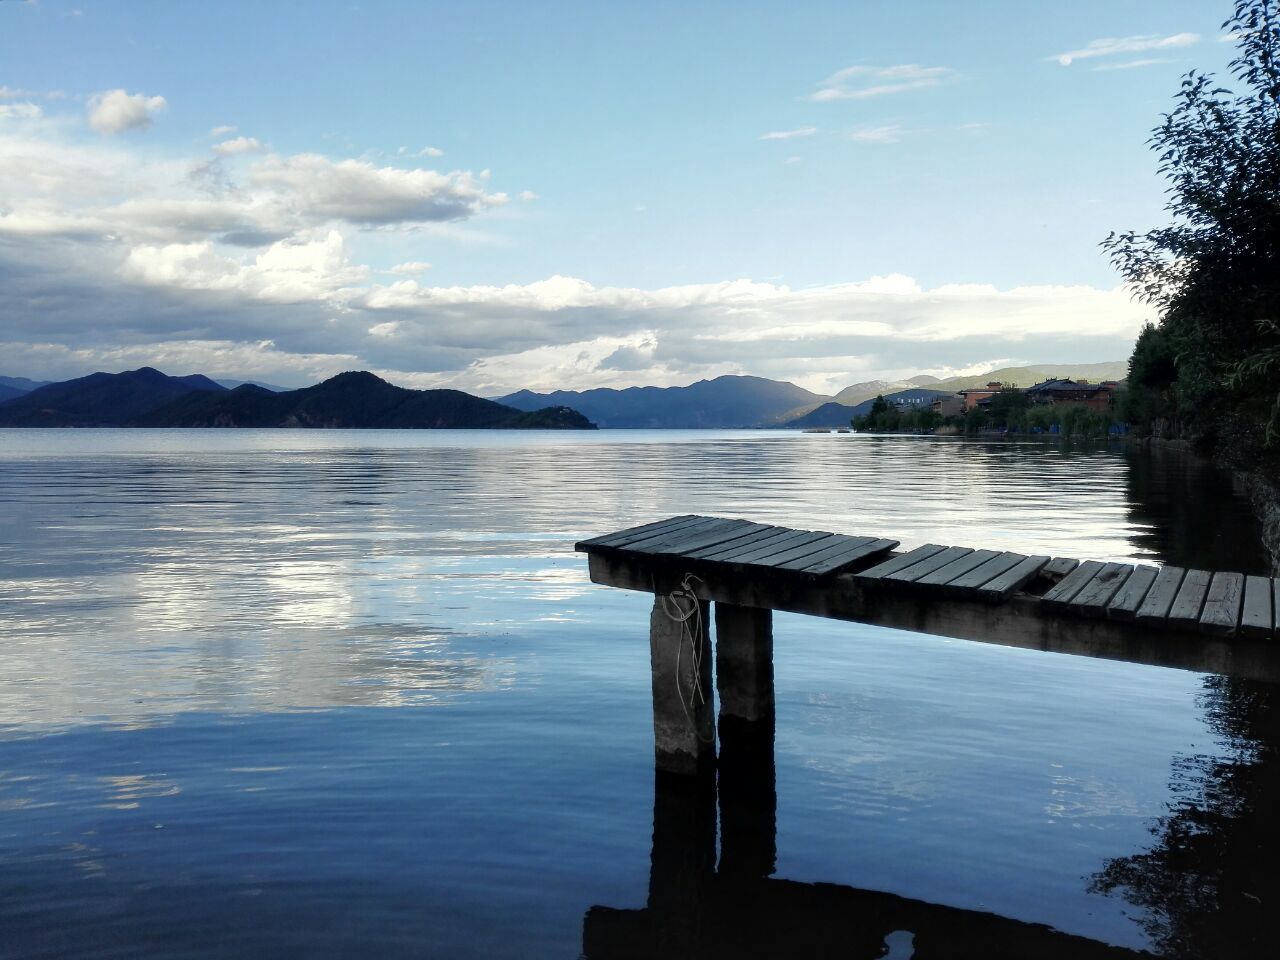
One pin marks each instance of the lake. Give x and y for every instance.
(351, 693)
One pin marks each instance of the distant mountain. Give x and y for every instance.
(839, 414)
(869, 390)
(22, 384)
(922, 380)
(727, 401)
(1026, 376)
(829, 414)
(232, 384)
(352, 400)
(100, 399)
(8, 393)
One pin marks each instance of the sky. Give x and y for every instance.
(496, 196)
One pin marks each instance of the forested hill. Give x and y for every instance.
(149, 398)
(100, 399)
(356, 400)
(729, 401)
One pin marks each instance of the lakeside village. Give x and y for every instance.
(1057, 406)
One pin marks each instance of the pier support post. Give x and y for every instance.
(684, 725)
(744, 662)
(747, 792)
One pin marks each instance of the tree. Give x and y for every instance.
(1214, 271)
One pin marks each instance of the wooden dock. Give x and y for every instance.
(1212, 622)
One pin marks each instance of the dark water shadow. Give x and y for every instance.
(699, 908)
(1208, 886)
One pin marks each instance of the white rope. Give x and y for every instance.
(691, 629)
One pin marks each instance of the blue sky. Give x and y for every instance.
(605, 193)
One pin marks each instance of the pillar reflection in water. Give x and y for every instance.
(734, 908)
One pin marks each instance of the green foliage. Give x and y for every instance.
(885, 418)
(1214, 271)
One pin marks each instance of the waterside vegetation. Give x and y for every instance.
(1207, 372)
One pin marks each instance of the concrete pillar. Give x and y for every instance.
(684, 725)
(744, 662)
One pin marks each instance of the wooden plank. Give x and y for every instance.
(630, 533)
(956, 568)
(984, 573)
(929, 564)
(1094, 596)
(1221, 614)
(1255, 617)
(754, 537)
(840, 544)
(1185, 612)
(664, 541)
(765, 547)
(800, 549)
(708, 540)
(1124, 605)
(1060, 594)
(755, 542)
(1059, 567)
(1000, 587)
(841, 560)
(900, 562)
(1155, 608)
(693, 523)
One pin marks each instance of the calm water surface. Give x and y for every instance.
(268, 693)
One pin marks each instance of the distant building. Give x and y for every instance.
(949, 406)
(974, 395)
(1095, 396)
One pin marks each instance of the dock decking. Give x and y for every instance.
(1215, 604)
(1207, 621)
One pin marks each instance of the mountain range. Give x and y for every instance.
(148, 398)
(723, 402)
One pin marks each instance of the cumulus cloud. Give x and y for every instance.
(231, 148)
(359, 192)
(115, 111)
(863, 82)
(11, 93)
(1111, 46)
(789, 134)
(253, 268)
(221, 131)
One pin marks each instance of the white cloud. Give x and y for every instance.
(10, 93)
(306, 269)
(222, 131)
(430, 152)
(888, 133)
(789, 134)
(359, 192)
(862, 82)
(410, 267)
(1111, 46)
(231, 148)
(528, 196)
(1127, 65)
(20, 111)
(791, 160)
(114, 111)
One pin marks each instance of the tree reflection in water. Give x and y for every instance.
(1208, 886)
